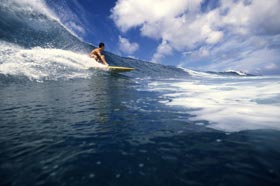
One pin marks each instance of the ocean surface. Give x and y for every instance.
(66, 120)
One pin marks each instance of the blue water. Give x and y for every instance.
(62, 123)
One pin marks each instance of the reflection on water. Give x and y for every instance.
(109, 131)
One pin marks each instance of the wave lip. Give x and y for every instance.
(211, 74)
(32, 24)
(231, 73)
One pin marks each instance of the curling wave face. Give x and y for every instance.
(31, 23)
(37, 46)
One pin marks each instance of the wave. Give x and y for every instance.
(31, 23)
(227, 104)
(36, 45)
(44, 63)
(211, 74)
(231, 73)
(194, 73)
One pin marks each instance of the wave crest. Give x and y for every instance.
(31, 23)
(44, 64)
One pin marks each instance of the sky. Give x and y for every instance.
(207, 35)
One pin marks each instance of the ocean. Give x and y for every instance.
(66, 120)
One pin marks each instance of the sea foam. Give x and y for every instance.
(229, 105)
(45, 63)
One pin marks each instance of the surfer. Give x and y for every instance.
(96, 54)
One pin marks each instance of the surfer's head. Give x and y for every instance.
(101, 45)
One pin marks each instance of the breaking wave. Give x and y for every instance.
(34, 44)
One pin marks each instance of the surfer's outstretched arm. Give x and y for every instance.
(104, 60)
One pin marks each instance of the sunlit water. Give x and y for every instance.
(66, 120)
(117, 130)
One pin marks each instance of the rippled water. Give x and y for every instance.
(63, 124)
(111, 130)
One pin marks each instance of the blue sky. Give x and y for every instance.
(198, 34)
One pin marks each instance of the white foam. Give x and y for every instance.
(40, 63)
(200, 74)
(240, 73)
(229, 106)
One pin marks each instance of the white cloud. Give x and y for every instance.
(126, 46)
(162, 50)
(214, 37)
(257, 16)
(182, 26)
(201, 53)
(177, 23)
(131, 13)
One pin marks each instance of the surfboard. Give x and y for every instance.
(120, 69)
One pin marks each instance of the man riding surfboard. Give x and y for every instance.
(96, 54)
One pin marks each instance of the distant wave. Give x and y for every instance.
(211, 74)
(231, 73)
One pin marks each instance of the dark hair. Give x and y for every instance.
(101, 45)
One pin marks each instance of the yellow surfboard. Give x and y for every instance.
(120, 69)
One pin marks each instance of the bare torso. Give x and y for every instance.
(96, 54)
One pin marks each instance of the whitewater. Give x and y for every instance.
(66, 120)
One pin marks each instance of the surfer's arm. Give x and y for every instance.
(91, 53)
(102, 58)
(98, 56)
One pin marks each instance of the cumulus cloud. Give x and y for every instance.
(126, 46)
(187, 25)
(163, 49)
(131, 13)
(201, 53)
(255, 16)
(177, 23)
